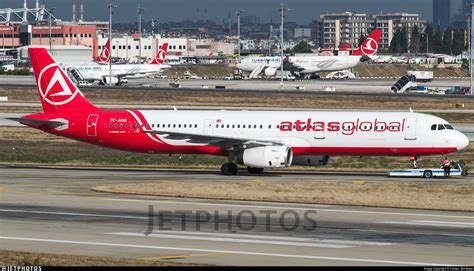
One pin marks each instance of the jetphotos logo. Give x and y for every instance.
(369, 47)
(54, 87)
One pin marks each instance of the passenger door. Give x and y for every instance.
(410, 129)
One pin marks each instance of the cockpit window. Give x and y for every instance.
(435, 127)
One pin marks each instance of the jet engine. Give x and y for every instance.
(270, 71)
(310, 160)
(114, 80)
(266, 157)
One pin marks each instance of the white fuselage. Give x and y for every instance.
(315, 63)
(125, 71)
(328, 133)
(304, 63)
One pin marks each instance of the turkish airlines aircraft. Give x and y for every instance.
(312, 63)
(104, 56)
(316, 64)
(120, 73)
(256, 139)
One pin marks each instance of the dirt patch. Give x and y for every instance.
(17, 258)
(416, 195)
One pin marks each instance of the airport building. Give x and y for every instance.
(391, 22)
(335, 29)
(128, 47)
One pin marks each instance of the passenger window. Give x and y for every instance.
(195, 126)
(433, 127)
(158, 125)
(152, 125)
(255, 126)
(228, 125)
(440, 127)
(261, 126)
(243, 126)
(269, 127)
(126, 125)
(110, 125)
(179, 126)
(174, 125)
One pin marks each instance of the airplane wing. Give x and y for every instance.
(234, 143)
(38, 122)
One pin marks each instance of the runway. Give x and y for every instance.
(54, 210)
(354, 87)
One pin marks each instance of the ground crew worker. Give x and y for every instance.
(447, 166)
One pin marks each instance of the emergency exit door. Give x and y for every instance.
(92, 125)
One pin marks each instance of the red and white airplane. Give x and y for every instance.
(256, 139)
(120, 73)
(104, 56)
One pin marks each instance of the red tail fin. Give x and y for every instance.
(104, 56)
(370, 45)
(160, 56)
(56, 90)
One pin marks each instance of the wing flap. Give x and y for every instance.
(211, 140)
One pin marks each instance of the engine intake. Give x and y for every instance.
(266, 157)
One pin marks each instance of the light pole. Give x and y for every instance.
(49, 22)
(282, 16)
(140, 11)
(111, 7)
(471, 46)
(239, 13)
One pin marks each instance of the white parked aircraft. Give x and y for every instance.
(312, 63)
(255, 139)
(120, 73)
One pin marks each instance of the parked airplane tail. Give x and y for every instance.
(56, 90)
(104, 56)
(370, 45)
(160, 56)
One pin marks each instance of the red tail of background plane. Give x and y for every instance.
(104, 56)
(370, 45)
(160, 56)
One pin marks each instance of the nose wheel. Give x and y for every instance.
(229, 169)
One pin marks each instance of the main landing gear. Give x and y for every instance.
(231, 169)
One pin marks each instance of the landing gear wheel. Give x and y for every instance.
(427, 174)
(254, 170)
(101, 83)
(229, 169)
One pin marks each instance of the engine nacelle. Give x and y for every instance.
(266, 157)
(114, 80)
(310, 160)
(270, 71)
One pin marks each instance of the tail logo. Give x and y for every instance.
(160, 57)
(104, 57)
(54, 87)
(369, 47)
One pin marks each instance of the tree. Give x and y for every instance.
(446, 46)
(399, 43)
(403, 41)
(302, 47)
(415, 44)
(395, 42)
(437, 41)
(427, 39)
(458, 45)
(362, 38)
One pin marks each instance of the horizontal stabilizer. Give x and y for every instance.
(38, 122)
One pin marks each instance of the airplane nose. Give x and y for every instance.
(462, 141)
